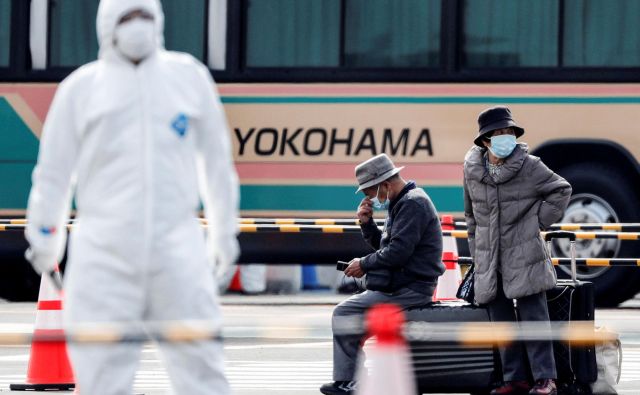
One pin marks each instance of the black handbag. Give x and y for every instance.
(379, 280)
(466, 291)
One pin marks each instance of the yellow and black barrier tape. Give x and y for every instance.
(299, 221)
(297, 228)
(467, 333)
(459, 225)
(465, 260)
(462, 234)
(246, 228)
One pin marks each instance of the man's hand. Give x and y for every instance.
(365, 210)
(354, 269)
(42, 263)
(226, 254)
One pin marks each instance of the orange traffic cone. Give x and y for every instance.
(448, 242)
(391, 368)
(236, 284)
(49, 368)
(449, 282)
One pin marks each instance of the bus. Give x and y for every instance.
(313, 87)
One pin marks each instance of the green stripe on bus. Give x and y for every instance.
(17, 142)
(330, 197)
(15, 184)
(426, 100)
(18, 152)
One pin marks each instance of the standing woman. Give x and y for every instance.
(509, 197)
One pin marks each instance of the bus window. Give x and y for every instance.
(376, 33)
(380, 33)
(185, 31)
(293, 33)
(600, 33)
(5, 30)
(507, 33)
(72, 33)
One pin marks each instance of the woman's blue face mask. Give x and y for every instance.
(503, 145)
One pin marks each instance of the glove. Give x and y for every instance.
(226, 254)
(42, 263)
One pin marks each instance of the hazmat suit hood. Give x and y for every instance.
(110, 12)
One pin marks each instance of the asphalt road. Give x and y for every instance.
(281, 345)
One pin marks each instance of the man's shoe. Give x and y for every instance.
(339, 387)
(544, 387)
(512, 388)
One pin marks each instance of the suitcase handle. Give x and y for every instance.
(560, 234)
(563, 234)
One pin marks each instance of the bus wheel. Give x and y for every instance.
(600, 195)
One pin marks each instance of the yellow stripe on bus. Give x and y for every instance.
(248, 221)
(585, 235)
(18, 222)
(333, 229)
(289, 228)
(248, 228)
(570, 227)
(2, 227)
(285, 221)
(612, 227)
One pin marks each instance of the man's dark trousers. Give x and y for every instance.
(347, 347)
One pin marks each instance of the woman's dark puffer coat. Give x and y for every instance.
(504, 219)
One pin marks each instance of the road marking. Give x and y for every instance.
(273, 375)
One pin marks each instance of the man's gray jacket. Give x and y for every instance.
(504, 219)
(410, 245)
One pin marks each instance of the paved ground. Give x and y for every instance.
(280, 345)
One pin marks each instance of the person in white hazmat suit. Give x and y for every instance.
(142, 136)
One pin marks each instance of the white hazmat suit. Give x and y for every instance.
(143, 146)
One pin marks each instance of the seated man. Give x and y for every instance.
(408, 253)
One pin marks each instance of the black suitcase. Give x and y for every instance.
(448, 367)
(573, 301)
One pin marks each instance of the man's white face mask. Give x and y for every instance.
(136, 38)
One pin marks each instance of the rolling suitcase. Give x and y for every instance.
(572, 301)
(448, 367)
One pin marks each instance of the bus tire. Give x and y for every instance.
(613, 191)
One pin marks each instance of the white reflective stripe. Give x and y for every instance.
(449, 244)
(217, 35)
(49, 319)
(38, 29)
(48, 291)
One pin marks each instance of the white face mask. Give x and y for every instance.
(135, 39)
(377, 204)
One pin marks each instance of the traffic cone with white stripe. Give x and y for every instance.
(449, 282)
(391, 367)
(49, 368)
(449, 243)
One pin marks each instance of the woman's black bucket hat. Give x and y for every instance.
(493, 118)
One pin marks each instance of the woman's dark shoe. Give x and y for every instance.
(512, 388)
(339, 387)
(544, 387)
